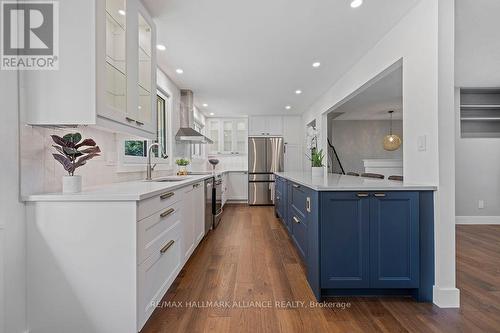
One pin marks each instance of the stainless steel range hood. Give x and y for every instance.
(186, 133)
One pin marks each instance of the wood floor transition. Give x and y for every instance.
(250, 271)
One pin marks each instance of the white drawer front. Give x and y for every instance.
(152, 205)
(156, 274)
(151, 230)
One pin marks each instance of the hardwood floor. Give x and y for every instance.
(250, 263)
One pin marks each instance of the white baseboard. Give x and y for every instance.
(477, 220)
(446, 297)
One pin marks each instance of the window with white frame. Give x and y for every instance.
(196, 148)
(136, 151)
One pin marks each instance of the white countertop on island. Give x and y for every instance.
(125, 191)
(336, 182)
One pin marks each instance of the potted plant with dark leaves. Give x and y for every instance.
(316, 159)
(72, 153)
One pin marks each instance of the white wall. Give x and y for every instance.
(168, 86)
(12, 221)
(415, 40)
(356, 140)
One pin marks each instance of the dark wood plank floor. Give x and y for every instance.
(250, 263)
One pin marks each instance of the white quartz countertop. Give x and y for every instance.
(126, 191)
(336, 182)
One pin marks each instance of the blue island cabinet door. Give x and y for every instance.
(394, 231)
(345, 240)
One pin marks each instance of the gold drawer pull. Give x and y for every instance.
(308, 204)
(296, 186)
(167, 246)
(296, 220)
(379, 195)
(166, 195)
(362, 195)
(167, 212)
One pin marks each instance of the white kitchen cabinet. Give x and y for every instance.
(229, 136)
(199, 208)
(225, 180)
(293, 130)
(237, 186)
(293, 157)
(265, 126)
(104, 270)
(188, 233)
(107, 70)
(193, 225)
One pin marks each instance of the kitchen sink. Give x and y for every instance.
(170, 179)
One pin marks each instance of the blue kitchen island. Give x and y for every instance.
(360, 236)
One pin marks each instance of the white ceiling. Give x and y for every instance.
(374, 102)
(477, 43)
(248, 57)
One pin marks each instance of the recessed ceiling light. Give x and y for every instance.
(179, 71)
(121, 12)
(298, 91)
(316, 64)
(356, 3)
(212, 114)
(161, 47)
(288, 107)
(205, 105)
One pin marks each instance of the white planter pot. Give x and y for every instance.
(318, 171)
(72, 184)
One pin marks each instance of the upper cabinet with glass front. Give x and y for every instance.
(107, 70)
(229, 136)
(130, 60)
(116, 56)
(145, 84)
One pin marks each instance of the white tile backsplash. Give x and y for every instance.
(41, 173)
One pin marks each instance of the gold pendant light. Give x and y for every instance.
(392, 141)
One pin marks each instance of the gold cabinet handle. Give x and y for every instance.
(296, 220)
(167, 246)
(167, 212)
(379, 195)
(308, 204)
(362, 195)
(296, 186)
(166, 195)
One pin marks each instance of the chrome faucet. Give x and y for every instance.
(149, 168)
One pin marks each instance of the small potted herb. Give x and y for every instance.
(182, 163)
(316, 159)
(72, 153)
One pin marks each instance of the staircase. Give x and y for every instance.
(334, 164)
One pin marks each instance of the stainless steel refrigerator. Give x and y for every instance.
(265, 156)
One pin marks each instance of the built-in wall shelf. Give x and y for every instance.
(480, 112)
